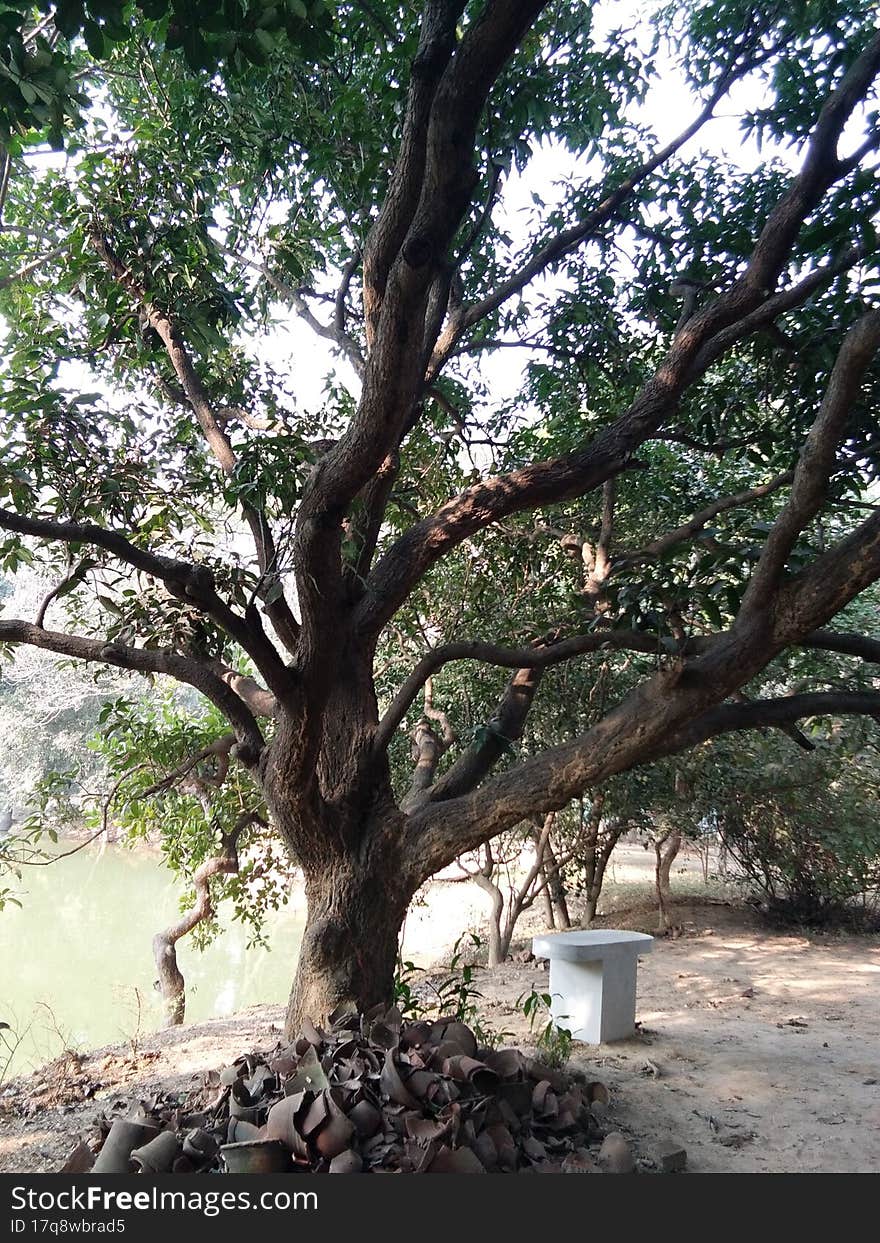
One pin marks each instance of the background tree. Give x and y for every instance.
(680, 487)
(800, 827)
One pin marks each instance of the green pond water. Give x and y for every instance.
(76, 961)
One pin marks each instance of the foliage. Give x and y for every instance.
(405, 994)
(47, 47)
(140, 744)
(452, 995)
(552, 1039)
(806, 838)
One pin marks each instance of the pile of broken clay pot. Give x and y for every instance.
(375, 1095)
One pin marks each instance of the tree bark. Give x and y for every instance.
(349, 949)
(499, 939)
(666, 849)
(172, 985)
(546, 900)
(556, 889)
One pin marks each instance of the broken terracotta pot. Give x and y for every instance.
(259, 1156)
(372, 1094)
(158, 1156)
(124, 1135)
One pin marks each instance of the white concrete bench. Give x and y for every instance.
(593, 981)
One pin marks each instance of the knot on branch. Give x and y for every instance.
(246, 754)
(433, 55)
(418, 251)
(200, 583)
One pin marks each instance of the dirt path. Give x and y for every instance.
(757, 1051)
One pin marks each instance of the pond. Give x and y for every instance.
(76, 963)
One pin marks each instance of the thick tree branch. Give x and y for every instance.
(646, 723)
(781, 713)
(190, 583)
(260, 701)
(147, 660)
(437, 38)
(816, 459)
(412, 243)
(862, 646)
(542, 657)
(494, 740)
(742, 307)
(427, 750)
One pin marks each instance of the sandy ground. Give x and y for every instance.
(757, 1051)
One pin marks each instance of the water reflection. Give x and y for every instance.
(76, 963)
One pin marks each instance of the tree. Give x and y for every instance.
(800, 827)
(512, 885)
(683, 320)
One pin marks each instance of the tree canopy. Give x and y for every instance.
(651, 529)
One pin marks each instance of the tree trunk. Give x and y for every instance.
(547, 901)
(497, 949)
(597, 859)
(665, 850)
(349, 949)
(170, 982)
(553, 895)
(557, 889)
(668, 856)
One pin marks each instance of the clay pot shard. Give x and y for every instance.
(284, 1123)
(455, 1032)
(426, 1130)
(615, 1155)
(544, 1100)
(366, 1118)
(260, 1156)
(80, 1160)
(514, 1098)
(158, 1156)
(534, 1149)
(310, 1034)
(344, 1018)
(456, 1161)
(200, 1146)
(230, 1074)
(262, 1082)
(507, 1063)
(335, 1136)
(239, 1131)
(347, 1162)
(309, 1077)
(124, 1135)
(579, 1162)
(470, 1070)
(487, 1152)
(414, 1035)
(242, 1105)
(393, 1086)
